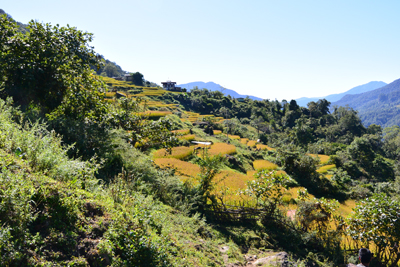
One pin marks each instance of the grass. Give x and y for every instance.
(244, 140)
(183, 168)
(233, 180)
(229, 183)
(188, 137)
(324, 169)
(180, 152)
(184, 131)
(323, 158)
(234, 137)
(221, 148)
(155, 114)
(216, 132)
(264, 165)
(264, 147)
(346, 207)
(121, 85)
(252, 143)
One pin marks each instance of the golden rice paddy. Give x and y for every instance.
(183, 168)
(234, 137)
(264, 147)
(323, 158)
(180, 152)
(252, 143)
(188, 137)
(324, 169)
(221, 148)
(155, 113)
(264, 165)
(184, 131)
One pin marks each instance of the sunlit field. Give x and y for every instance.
(323, 158)
(156, 113)
(187, 137)
(183, 168)
(221, 148)
(180, 152)
(264, 147)
(252, 143)
(264, 165)
(184, 131)
(324, 169)
(234, 137)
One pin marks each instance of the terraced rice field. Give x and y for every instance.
(252, 143)
(324, 169)
(323, 158)
(159, 104)
(264, 147)
(187, 137)
(155, 113)
(222, 149)
(119, 85)
(180, 152)
(184, 169)
(184, 131)
(264, 165)
(234, 137)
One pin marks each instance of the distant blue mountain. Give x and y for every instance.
(379, 106)
(336, 97)
(215, 87)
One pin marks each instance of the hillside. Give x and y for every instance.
(336, 97)
(216, 87)
(96, 171)
(380, 106)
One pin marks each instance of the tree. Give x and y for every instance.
(376, 224)
(268, 188)
(46, 63)
(137, 78)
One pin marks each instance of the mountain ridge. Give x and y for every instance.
(379, 106)
(303, 101)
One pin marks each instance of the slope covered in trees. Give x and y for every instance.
(81, 183)
(211, 86)
(379, 106)
(336, 97)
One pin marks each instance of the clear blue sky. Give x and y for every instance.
(267, 48)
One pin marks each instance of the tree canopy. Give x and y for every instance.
(46, 63)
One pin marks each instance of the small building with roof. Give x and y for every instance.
(170, 86)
